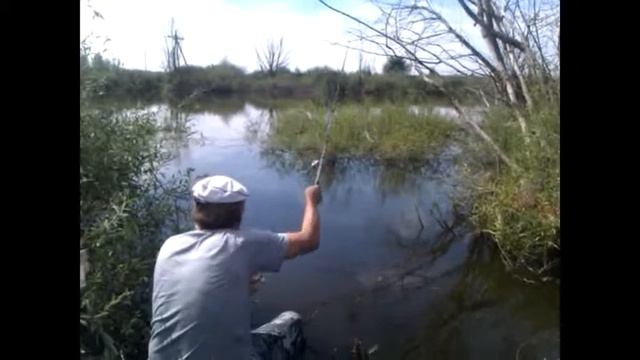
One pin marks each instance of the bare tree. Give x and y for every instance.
(273, 58)
(516, 54)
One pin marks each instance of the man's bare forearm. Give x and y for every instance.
(308, 238)
(311, 224)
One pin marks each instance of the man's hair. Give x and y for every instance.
(217, 216)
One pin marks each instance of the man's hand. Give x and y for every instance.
(308, 238)
(313, 195)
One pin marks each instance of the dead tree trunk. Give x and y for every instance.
(493, 34)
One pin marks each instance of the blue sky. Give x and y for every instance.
(218, 29)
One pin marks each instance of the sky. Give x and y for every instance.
(214, 30)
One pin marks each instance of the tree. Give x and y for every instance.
(521, 37)
(273, 59)
(396, 65)
(99, 62)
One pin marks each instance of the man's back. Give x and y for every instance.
(201, 303)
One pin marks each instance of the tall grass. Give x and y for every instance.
(390, 132)
(520, 210)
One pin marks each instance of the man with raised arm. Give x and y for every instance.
(201, 304)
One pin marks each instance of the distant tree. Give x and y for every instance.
(319, 70)
(229, 67)
(364, 69)
(397, 65)
(84, 61)
(273, 59)
(99, 62)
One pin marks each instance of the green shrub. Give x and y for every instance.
(520, 209)
(126, 208)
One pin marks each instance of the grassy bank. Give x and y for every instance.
(388, 132)
(520, 210)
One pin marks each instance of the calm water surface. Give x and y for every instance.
(429, 294)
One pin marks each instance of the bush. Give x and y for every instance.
(520, 209)
(226, 79)
(126, 208)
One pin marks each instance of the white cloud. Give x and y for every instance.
(216, 29)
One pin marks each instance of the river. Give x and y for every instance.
(405, 290)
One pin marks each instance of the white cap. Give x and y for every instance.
(219, 189)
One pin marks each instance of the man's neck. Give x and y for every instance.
(197, 227)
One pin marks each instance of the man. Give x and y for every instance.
(201, 305)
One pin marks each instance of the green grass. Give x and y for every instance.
(520, 209)
(392, 133)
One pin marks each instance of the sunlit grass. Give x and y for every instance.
(390, 132)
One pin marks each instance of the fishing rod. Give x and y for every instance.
(328, 119)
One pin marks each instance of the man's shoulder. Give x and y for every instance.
(250, 232)
(181, 240)
(238, 236)
(258, 234)
(192, 234)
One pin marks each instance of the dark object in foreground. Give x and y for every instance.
(358, 352)
(280, 339)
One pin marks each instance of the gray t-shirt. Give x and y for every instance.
(201, 305)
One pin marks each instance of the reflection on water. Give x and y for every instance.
(396, 267)
(485, 306)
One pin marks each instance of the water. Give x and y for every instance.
(416, 294)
